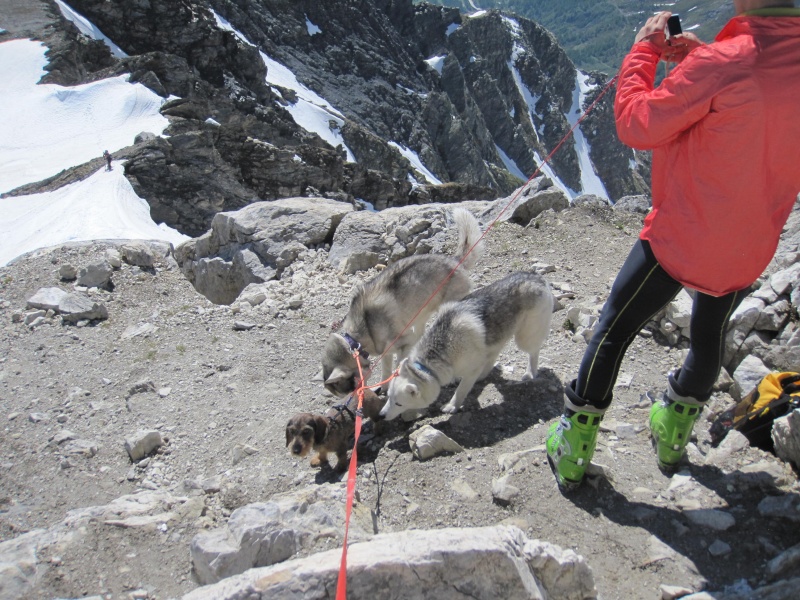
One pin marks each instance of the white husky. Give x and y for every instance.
(465, 339)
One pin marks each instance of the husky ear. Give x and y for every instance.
(358, 289)
(411, 389)
(319, 376)
(338, 374)
(403, 366)
(334, 344)
(288, 435)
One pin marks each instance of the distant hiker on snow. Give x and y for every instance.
(107, 156)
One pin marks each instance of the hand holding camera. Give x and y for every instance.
(673, 49)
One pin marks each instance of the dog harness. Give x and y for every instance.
(341, 408)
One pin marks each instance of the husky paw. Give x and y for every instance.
(529, 376)
(450, 408)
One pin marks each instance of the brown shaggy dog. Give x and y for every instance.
(330, 433)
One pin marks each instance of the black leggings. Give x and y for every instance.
(642, 288)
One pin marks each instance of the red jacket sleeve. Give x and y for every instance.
(647, 118)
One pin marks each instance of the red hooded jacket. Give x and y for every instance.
(724, 127)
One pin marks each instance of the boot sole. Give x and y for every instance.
(564, 485)
(666, 468)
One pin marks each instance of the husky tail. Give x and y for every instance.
(469, 234)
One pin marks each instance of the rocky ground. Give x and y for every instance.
(221, 393)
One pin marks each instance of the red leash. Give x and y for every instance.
(341, 584)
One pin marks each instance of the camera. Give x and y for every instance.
(674, 25)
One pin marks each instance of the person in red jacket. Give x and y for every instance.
(724, 131)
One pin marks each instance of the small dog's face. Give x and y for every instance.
(409, 391)
(339, 368)
(303, 431)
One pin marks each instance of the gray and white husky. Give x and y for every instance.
(381, 308)
(465, 339)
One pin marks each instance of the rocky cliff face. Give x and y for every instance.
(481, 101)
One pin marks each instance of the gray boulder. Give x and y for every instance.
(427, 442)
(536, 197)
(24, 566)
(77, 307)
(266, 533)
(143, 443)
(634, 204)
(138, 253)
(591, 200)
(447, 564)
(785, 565)
(365, 239)
(358, 243)
(786, 437)
(747, 376)
(67, 272)
(255, 244)
(96, 275)
(47, 298)
(72, 307)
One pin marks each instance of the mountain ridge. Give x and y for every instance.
(472, 126)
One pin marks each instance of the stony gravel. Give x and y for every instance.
(221, 393)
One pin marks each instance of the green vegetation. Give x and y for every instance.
(598, 33)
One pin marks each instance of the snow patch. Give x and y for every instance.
(101, 207)
(436, 62)
(311, 28)
(590, 182)
(46, 128)
(87, 28)
(416, 162)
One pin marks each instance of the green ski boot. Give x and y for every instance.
(671, 423)
(570, 443)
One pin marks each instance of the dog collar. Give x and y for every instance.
(420, 367)
(355, 346)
